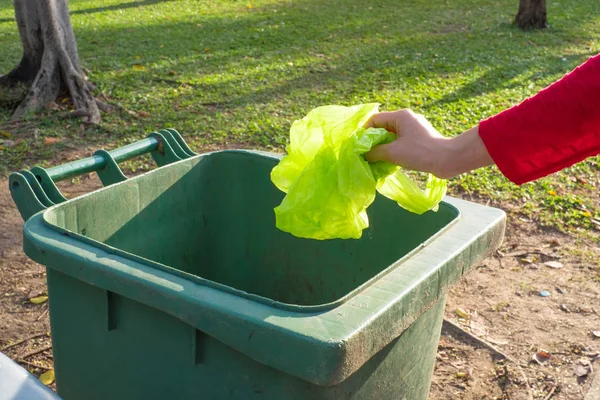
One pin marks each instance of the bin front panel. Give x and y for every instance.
(107, 346)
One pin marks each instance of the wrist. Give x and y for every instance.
(446, 158)
(461, 154)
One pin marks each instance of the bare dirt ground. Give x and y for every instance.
(499, 302)
(25, 326)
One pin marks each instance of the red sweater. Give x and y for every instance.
(554, 129)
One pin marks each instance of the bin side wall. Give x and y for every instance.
(108, 346)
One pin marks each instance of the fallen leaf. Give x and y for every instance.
(462, 313)
(585, 310)
(583, 369)
(36, 293)
(39, 299)
(541, 356)
(48, 141)
(553, 264)
(138, 67)
(5, 134)
(9, 144)
(584, 361)
(144, 114)
(477, 329)
(498, 342)
(462, 375)
(47, 377)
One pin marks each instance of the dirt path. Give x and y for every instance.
(504, 306)
(24, 325)
(20, 278)
(499, 301)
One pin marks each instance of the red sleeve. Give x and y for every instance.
(554, 129)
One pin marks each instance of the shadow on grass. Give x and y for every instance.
(256, 56)
(121, 6)
(289, 57)
(505, 77)
(114, 7)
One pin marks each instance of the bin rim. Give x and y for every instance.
(251, 296)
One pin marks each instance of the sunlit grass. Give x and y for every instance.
(229, 73)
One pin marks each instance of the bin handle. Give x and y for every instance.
(35, 190)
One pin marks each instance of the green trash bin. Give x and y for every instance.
(176, 284)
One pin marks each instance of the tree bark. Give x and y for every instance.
(532, 14)
(50, 61)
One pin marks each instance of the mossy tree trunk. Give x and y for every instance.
(50, 65)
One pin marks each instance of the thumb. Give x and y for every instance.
(379, 153)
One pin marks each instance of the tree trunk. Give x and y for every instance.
(50, 63)
(532, 14)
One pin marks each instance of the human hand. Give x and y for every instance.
(420, 147)
(417, 146)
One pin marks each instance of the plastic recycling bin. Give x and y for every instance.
(16, 383)
(176, 284)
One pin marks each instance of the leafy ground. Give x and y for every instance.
(237, 73)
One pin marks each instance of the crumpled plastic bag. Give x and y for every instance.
(329, 184)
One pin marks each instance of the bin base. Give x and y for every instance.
(107, 346)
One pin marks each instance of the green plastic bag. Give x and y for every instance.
(328, 183)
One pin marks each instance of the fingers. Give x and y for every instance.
(391, 120)
(378, 153)
(386, 120)
(394, 121)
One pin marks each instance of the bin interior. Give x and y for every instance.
(212, 216)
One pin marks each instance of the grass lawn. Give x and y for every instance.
(237, 73)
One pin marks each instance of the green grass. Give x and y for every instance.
(237, 73)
